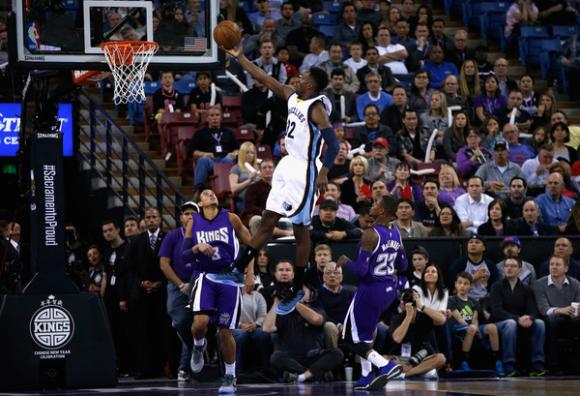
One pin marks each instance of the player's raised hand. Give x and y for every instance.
(236, 51)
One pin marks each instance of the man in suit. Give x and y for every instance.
(147, 297)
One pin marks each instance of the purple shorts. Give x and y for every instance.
(366, 308)
(221, 302)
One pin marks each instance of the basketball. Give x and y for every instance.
(227, 34)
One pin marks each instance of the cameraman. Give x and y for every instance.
(411, 332)
(299, 351)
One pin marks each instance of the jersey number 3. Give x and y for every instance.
(290, 126)
(385, 264)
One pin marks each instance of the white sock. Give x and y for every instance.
(231, 368)
(365, 366)
(197, 342)
(301, 378)
(376, 359)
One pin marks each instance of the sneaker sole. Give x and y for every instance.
(226, 391)
(195, 369)
(380, 382)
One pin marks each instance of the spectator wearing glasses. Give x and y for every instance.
(518, 152)
(513, 310)
(335, 300)
(512, 247)
(459, 52)
(374, 95)
(500, 70)
(372, 130)
(381, 165)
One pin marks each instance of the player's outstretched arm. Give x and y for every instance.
(280, 90)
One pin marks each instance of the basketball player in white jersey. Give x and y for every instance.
(300, 176)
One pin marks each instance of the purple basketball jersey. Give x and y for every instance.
(388, 257)
(378, 288)
(220, 234)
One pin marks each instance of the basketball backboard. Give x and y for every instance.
(67, 33)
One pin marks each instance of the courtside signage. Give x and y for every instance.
(10, 128)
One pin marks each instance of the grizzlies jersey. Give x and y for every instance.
(388, 257)
(220, 234)
(303, 138)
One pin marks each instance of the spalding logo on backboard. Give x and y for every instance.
(51, 326)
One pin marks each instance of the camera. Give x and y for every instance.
(408, 297)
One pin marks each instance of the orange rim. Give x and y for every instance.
(148, 45)
(121, 52)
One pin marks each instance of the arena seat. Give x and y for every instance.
(220, 180)
(167, 123)
(332, 6)
(244, 134)
(150, 87)
(231, 101)
(472, 11)
(184, 134)
(323, 18)
(492, 22)
(564, 32)
(531, 40)
(264, 152)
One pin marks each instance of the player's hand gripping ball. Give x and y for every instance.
(227, 34)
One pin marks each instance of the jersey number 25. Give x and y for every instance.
(385, 264)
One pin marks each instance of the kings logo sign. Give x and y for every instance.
(51, 326)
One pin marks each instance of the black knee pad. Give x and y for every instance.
(359, 348)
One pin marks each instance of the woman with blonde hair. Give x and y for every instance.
(240, 176)
(469, 83)
(449, 186)
(436, 115)
(357, 188)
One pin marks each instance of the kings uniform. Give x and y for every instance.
(221, 302)
(378, 288)
(293, 191)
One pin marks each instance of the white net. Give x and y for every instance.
(128, 61)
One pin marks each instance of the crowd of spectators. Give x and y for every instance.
(504, 164)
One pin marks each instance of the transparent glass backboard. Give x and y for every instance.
(67, 33)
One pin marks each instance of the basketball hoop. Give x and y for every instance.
(128, 61)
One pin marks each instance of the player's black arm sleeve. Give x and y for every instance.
(332, 147)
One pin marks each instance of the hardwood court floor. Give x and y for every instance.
(560, 386)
